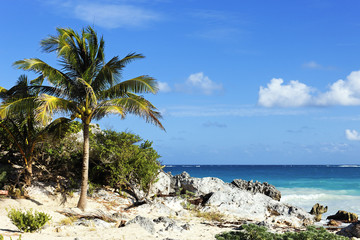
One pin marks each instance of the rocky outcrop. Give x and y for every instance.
(344, 216)
(241, 199)
(257, 187)
(353, 230)
(318, 210)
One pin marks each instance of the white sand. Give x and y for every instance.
(41, 201)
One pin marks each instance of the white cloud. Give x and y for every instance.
(312, 65)
(214, 124)
(198, 81)
(229, 110)
(342, 92)
(352, 135)
(163, 87)
(296, 94)
(113, 16)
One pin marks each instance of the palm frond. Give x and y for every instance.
(50, 104)
(54, 75)
(89, 91)
(141, 84)
(138, 106)
(17, 106)
(105, 110)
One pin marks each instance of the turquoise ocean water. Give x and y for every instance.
(336, 186)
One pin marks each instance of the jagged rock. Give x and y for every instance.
(353, 230)
(164, 220)
(257, 187)
(145, 223)
(198, 186)
(344, 216)
(236, 202)
(162, 186)
(186, 226)
(318, 210)
(245, 205)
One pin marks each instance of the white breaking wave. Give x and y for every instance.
(349, 166)
(334, 199)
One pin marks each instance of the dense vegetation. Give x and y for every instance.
(254, 232)
(88, 88)
(118, 159)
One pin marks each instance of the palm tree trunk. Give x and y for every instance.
(85, 169)
(28, 174)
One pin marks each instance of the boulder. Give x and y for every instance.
(334, 223)
(318, 210)
(344, 216)
(198, 186)
(162, 186)
(257, 187)
(353, 230)
(143, 222)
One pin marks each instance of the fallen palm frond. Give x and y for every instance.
(88, 215)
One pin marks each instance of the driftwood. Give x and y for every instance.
(88, 215)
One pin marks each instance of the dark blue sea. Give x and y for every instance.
(337, 186)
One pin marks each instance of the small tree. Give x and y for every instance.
(17, 119)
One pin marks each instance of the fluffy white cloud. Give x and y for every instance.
(342, 92)
(113, 16)
(352, 135)
(164, 87)
(276, 93)
(296, 94)
(203, 83)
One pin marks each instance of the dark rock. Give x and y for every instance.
(333, 222)
(257, 187)
(186, 226)
(344, 216)
(145, 223)
(164, 220)
(353, 230)
(318, 210)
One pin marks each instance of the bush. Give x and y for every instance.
(123, 160)
(28, 221)
(254, 232)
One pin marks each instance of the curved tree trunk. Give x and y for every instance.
(85, 169)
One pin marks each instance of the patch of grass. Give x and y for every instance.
(211, 216)
(68, 221)
(255, 232)
(28, 221)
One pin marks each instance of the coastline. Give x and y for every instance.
(164, 215)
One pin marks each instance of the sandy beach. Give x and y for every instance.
(60, 228)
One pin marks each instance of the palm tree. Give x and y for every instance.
(89, 88)
(17, 118)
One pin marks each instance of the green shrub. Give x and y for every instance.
(28, 221)
(123, 160)
(254, 232)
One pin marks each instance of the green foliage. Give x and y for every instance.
(28, 221)
(254, 232)
(122, 160)
(2, 237)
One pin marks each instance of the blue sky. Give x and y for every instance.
(241, 82)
